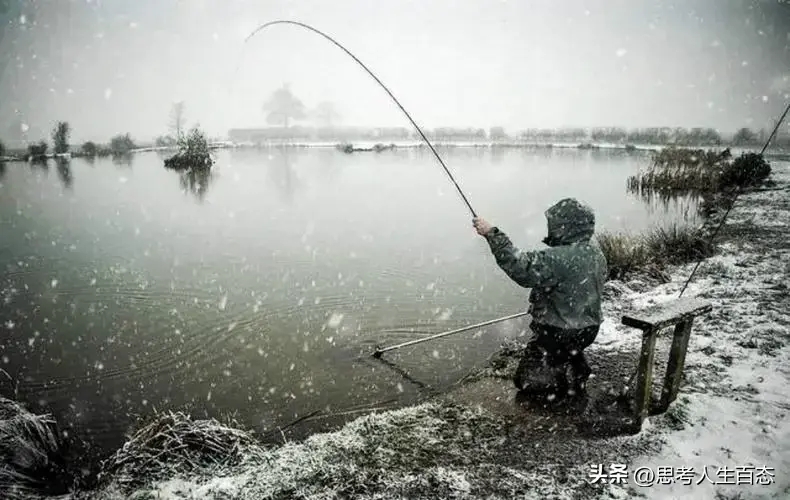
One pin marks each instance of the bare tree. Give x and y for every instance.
(177, 119)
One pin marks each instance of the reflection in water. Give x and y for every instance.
(280, 167)
(331, 164)
(401, 153)
(64, 172)
(497, 155)
(400, 371)
(476, 152)
(685, 203)
(123, 159)
(2, 169)
(196, 181)
(40, 164)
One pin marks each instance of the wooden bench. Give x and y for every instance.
(679, 313)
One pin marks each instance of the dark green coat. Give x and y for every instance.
(566, 279)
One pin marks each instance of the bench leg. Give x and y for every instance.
(644, 376)
(677, 359)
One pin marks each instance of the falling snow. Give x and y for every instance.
(335, 320)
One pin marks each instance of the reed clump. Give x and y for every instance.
(697, 170)
(651, 252)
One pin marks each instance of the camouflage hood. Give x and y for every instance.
(569, 221)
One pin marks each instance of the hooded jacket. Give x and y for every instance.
(566, 279)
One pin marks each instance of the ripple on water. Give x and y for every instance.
(172, 330)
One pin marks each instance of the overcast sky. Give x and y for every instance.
(112, 66)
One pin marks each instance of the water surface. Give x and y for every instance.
(262, 289)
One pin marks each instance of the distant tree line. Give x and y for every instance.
(283, 108)
(644, 136)
(36, 151)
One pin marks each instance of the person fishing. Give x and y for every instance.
(566, 282)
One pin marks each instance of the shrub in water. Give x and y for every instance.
(193, 152)
(37, 151)
(121, 144)
(90, 149)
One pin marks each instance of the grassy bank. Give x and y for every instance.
(653, 251)
(410, 452)
(713, 176)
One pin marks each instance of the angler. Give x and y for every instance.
(567, 282)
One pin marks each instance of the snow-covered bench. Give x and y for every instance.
(679, 313)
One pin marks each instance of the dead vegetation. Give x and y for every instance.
(653, 251)
(31, 459)
(173, 443)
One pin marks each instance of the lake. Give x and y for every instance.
(262, 290)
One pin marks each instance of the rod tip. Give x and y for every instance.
(377, 354)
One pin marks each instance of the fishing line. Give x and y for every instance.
(734, 199)
(419, 130)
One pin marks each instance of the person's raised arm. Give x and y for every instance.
(528, 269)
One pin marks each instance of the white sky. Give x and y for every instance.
(115, 66)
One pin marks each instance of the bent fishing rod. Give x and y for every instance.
(417, 127)
(379, 351)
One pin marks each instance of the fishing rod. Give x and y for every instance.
(734, 199)
(419, 130)
(381, 350)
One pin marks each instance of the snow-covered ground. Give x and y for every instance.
(736, 396)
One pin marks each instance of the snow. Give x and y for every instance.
(734, 397)
(335, 320)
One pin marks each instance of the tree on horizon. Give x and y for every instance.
(177, 119)
(283, 106)
(60, 137)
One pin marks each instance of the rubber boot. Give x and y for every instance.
(580, 372)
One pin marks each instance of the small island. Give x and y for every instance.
(193, 153)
